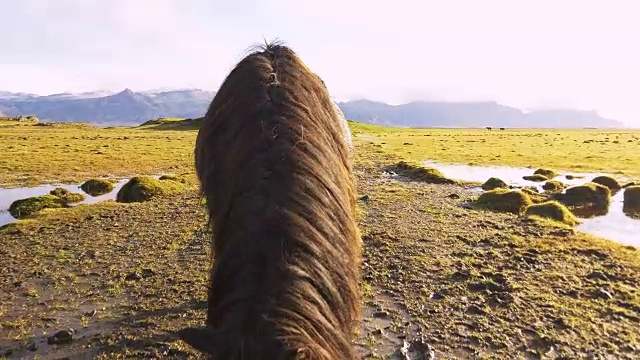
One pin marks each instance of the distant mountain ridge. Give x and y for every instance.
(469, 114)
(133, 108)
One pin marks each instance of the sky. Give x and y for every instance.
(529, 54)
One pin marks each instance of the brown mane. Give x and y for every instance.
(275, 166)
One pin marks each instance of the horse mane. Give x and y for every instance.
(273, 158)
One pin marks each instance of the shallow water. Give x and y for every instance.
(614, 225)
(8, 196)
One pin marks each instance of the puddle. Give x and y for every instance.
(614, 225)
(8, 196)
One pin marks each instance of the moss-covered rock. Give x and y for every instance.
(97, 187)
(549, 174)
(554, 186)
(494, 183)
(27, 207)
(179, 178)
(422, 173)
(552, 210)
(632, 198)
(609, 182)
(67, 195)
(144, 188)
(535, 178)
(535, 196)
(587, 194)
(503, 200)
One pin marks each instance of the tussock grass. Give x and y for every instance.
(144, 188)
(30, 206)
(97, 187)
(552, 210)
(494, 183)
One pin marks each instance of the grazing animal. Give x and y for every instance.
(488, 128)
(274, 160)
(501, 128)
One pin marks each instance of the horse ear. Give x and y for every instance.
(202, 338)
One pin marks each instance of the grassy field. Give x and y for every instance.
(73, 152)
(612, 151)
(470, 283)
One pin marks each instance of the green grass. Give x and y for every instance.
(569, 150)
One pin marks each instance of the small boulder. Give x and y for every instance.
(67, 195)
(503, 200)
(422, 173)
(609, 182)
(535, 178)
(23, 208)
(553, 186)
(587, 194)
(144, 188)
(552, 210)
(549, 174)
(97, 187)
(632, 200)
(494, 183)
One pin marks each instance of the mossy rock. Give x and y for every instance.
(632, 198)
(97, 187)
(494, 183)
(67, 195)
(421, 173)
(144, 188)
(549, 174)
(179, 178)
(535, 195)
(27, 207)
(554, 186)
(552, 210)
(503, 200)
(587, 194)
(536, 178)
(608, 181)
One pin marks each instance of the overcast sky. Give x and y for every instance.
(530, 54)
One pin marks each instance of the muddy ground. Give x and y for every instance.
(452, 281)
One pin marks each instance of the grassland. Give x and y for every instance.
(33, 154)
(612, 151)
(470, 283)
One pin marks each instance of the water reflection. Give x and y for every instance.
(610, 222)
(8, 196)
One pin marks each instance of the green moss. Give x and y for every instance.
(503, 200)
(144, 188)
(587, 194)
(27, 207)
(549, 174)
(554, 186)
(494, 183)
(535, 178)
(552, 210)
(607, 181)
(535, 195)
(422, 173)
(97, 187)
(67, 195)
(179, 178)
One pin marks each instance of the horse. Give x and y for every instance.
(274, 162)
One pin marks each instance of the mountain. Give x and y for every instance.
(133, 108)
(469, 114)
(103, 108)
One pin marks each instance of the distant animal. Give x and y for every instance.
(488, 128)
(501, 128)
(274, 160)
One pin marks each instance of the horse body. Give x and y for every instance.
(273, 158)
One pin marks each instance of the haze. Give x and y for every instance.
(529, 54)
